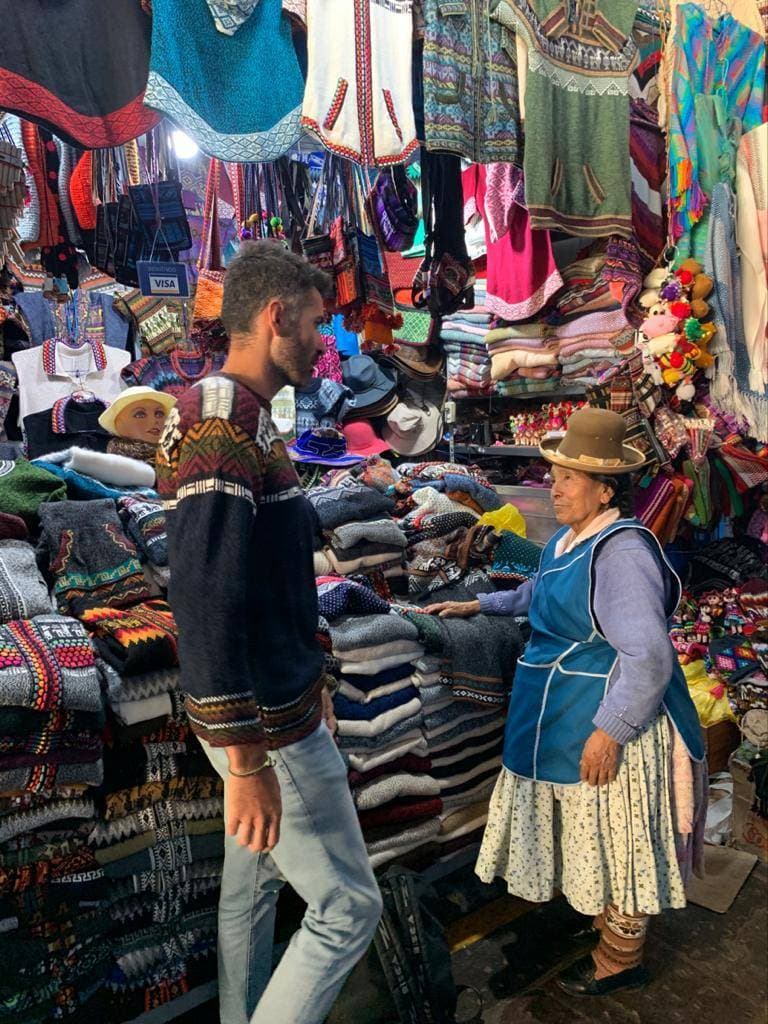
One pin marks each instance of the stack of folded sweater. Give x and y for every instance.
(468, 367)
(590, 345)
(522, 357)
(356, 534)
(108, 894)
(441, 504)
(379, 713)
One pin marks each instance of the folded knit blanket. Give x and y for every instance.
(370, 744)
(481, 766)
(337, 597)
(108, 469)
(23, 591)
(46, 664)
(368, 760)
(338, 505)
(484, 495)
(155, 816)
(394, 787)
(144, 523)
(90, 559)
(378, 531)
(137, 639)
(467, 788)
(363, 728)
(367, 631)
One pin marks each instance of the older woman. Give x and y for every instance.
(602, 737)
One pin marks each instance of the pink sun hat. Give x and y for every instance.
(362, 439)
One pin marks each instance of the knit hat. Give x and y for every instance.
(24, 488)
(362, 439)
(323, 447)
(127, 398)
(12, 527)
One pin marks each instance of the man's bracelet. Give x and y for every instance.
(267, 763)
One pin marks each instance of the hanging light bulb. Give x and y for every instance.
(185, 147)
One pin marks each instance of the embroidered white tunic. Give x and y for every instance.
(358, 96)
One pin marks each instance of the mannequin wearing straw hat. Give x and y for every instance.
(599, 713)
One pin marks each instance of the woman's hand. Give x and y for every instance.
(600, 759)
(454, 609)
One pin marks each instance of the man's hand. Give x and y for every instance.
(253, 810)
(453, 609)
(253, 807)
(329, 715)
(600, 759)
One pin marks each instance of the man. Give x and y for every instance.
(243, 592)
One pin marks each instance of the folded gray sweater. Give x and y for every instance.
(362, 631)
(376, 531)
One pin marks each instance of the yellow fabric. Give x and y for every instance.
(505, 518)
(713, 707)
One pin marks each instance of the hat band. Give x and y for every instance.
(590, 460)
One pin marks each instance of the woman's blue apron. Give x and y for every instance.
(563, 675)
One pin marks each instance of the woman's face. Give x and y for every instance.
(577, 497)
(141, 421)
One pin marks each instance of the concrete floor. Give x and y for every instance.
(707, 968)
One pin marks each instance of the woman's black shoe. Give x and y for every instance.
(579, 979)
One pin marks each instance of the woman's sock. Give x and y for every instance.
(622, 938)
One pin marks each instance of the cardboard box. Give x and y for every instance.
(720, 741)
(750, 831)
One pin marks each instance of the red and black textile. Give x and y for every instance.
(77, 70)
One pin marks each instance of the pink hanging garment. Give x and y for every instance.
(522, 275)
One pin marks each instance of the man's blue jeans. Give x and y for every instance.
(322, 855)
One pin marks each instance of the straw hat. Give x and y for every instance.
(593, 443)
(129, 397)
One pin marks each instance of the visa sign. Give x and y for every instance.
(157, 278)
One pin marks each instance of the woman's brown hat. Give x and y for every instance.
(593, 443)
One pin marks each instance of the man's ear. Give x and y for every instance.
(273, 316)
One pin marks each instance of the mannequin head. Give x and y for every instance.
(142, 420)
(138, 414)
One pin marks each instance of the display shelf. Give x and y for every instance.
(178, 1007)
(528, 451)
(571, 391)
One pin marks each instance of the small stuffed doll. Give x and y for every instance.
(136, 419)
(673, 335)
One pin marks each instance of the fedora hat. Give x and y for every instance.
(129, 397)
(367, 381)
(413, 427)
(420, 363)
(593, 443)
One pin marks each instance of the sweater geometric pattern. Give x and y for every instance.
(221, 462)
(47, 663)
